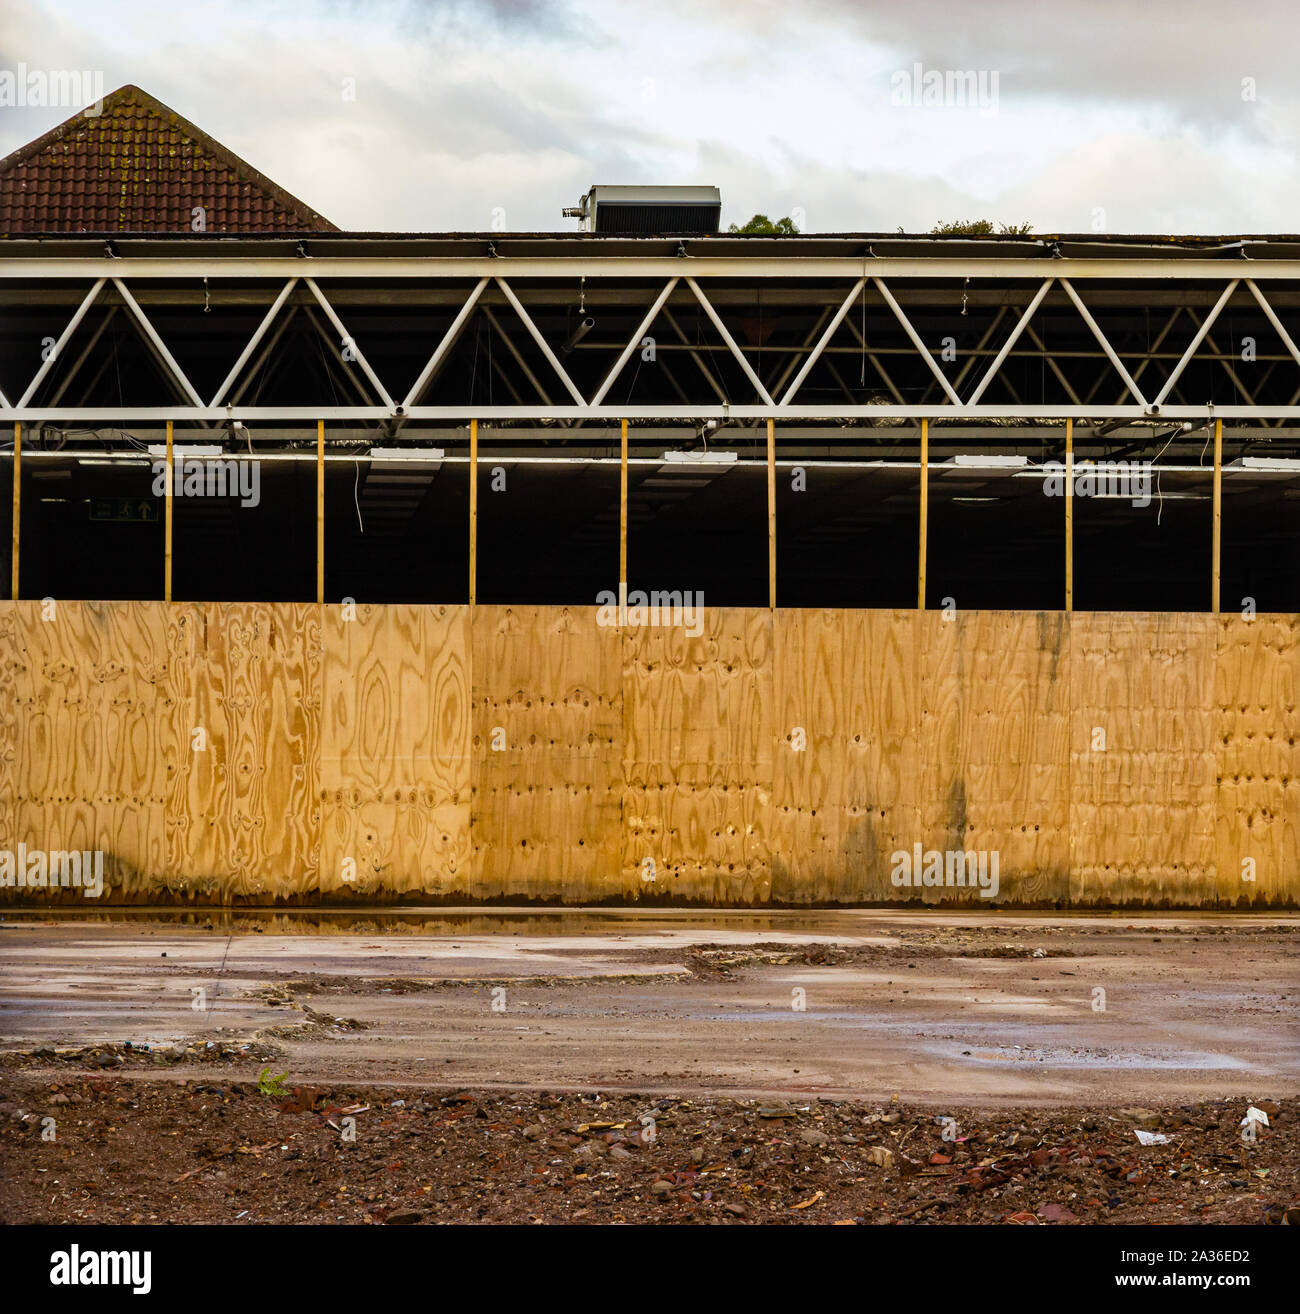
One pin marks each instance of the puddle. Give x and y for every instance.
(559, 921)
(443, 922)
(1092, 1059)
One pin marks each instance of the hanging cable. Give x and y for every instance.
(862, 367)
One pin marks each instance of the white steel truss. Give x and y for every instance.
(709, 281)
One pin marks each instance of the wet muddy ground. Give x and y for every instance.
(791, 1067)
(216, 1151)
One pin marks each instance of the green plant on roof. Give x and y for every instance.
(271, 1085)
(980, 228)
(760, 223)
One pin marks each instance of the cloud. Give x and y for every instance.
(1187, 64)
(521, 18)
(467, 108)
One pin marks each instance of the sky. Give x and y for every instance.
(850, 115)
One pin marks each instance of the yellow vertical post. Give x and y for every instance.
(18, 487)
(771, 514)
(320, 511)
(622, 519)
(473, 510)
(1218, 511)
(1069, 515)
(925, 513)
(167, 520)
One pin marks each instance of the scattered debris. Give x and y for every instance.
(1150, 1138)
(1255, 1119)
(183, 1152)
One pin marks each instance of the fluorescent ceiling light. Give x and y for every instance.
(709, 464)
(980, 466)
(407, 455)
(1268, 464)
(699, 458)
(988, 461)
(1154, 494)
(184, 449)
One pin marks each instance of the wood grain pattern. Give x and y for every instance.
(370, 739)
(1257, 758)
(547, 737)
(395, 760)
(995, 747)
(245, 819)
(89, 759)
(12, 663)
(846, 689)
(1142, 808)
(697, 758)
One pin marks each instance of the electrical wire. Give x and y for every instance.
(1160, 500)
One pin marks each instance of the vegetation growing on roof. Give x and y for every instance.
(760, 223)
(979, 228)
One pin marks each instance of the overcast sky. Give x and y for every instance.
(1127, 115)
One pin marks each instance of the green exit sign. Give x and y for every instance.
(128, 510)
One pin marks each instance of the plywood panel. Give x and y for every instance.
(12, 664)
(369, 741)
(89, 759)
(1257, 755)
(697, 757)
(547, 735)
(244, 819)
(995, 748)
(847, 752)
(395, 755)
(1142, 816)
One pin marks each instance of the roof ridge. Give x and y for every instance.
(130, 94)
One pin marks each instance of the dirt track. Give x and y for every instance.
(791, 1068)
(933, 1007)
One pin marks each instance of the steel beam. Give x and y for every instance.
(1032, 334)
(349, 342)
(703, 411)
(518, 358)
(740, 356)
(693, 350)
(1226, 361)
(48, 363)
(229, 381)
(1268, 310)
(1196, 341)
(824, 341)
(646, 320)
(264, 343)
(1020, 326)
(155, 339)
(795, 352)
(321, 339)
(939, 375)
(660, 268)
(1140, 368)
(448, 341)
(542, 343)
(1105, 344)
(66, 381)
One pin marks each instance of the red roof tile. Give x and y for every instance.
(138, 167)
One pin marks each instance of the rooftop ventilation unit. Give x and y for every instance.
(649, 211)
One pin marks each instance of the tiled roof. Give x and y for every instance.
(138, 167)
